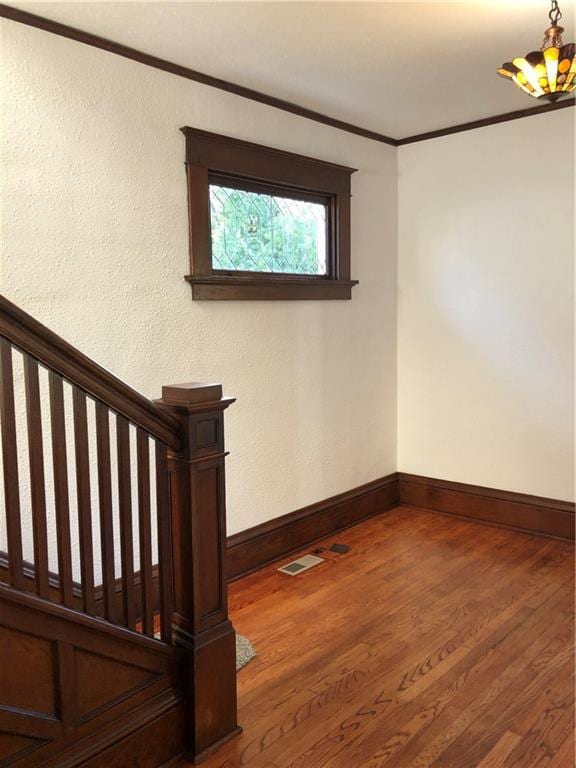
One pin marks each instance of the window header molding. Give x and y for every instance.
(243, 158)
(210, 157)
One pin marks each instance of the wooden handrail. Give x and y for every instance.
(58, 355)
(179, 601)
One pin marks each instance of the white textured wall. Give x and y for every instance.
(486, 306)
(94, 243)
(94, 233)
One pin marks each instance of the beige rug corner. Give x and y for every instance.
(244, 651)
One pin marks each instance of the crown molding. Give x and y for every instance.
(63, 30)
(72, 33)
(504, 118)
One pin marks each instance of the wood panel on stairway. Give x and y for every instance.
(435, 642)
(84, 678)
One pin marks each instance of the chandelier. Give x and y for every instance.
(550, 72)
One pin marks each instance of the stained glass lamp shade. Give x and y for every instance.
(549, 73)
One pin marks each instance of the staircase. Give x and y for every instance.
(115, 645)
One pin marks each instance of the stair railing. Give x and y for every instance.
(142, 478)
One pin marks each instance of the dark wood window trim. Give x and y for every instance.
(213, 158)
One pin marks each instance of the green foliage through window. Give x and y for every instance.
(257, 232)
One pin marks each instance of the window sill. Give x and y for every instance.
(273, 288)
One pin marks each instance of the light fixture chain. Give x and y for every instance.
(555, 13)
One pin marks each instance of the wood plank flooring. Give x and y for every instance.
(434, 643)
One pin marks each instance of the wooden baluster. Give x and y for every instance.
(126, 528)
(10, 467)
(37, 483)
(61, 499)
(106, 522)
(84, 500)
(198, 510)
(145, 529)
(164, 544)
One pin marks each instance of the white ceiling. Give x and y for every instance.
(396, 68)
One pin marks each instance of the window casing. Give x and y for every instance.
(265, 224)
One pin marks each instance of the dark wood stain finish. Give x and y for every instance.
(37, 481)
(106, 519)
(10, 465)
(61, 496)
(504, 118)
(145, 530)
(126, 528)
(520, 511)
(255, 547)
(98, 606)
(82, 681)
(164, 572)
(213, 158)
(52, 351)
(83, 495)
(71, 736)
(201, 629)
(226, 155)
(274, 288)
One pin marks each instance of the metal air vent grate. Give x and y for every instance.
(302, 564)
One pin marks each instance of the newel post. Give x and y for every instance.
(200, 625)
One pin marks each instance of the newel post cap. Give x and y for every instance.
(194, 394)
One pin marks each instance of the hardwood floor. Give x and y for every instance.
(435, 642)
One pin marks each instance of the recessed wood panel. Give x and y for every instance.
(101, 681)
(206, 433)
(26, 685)
(208, 499)
(155, 744)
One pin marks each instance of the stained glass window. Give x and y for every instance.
(259, 232)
